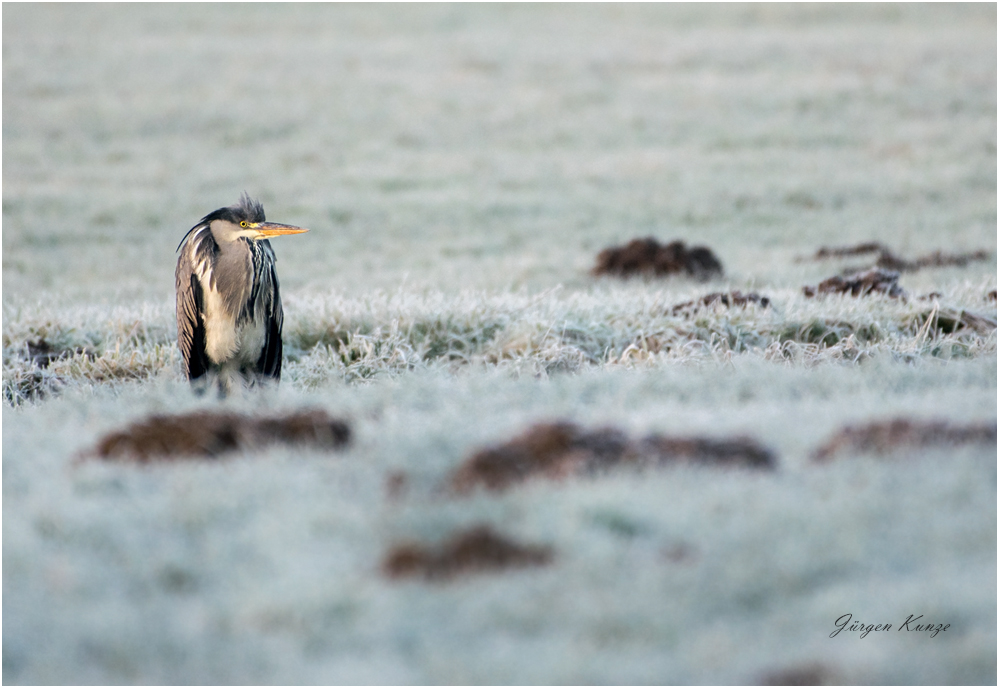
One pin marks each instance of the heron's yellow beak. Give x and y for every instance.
(274, 229)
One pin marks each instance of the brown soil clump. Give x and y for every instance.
(890, 261)
(476, 550)
(550, 449)
(886, 436)
(556, 450)
(991, 295)
(937, 259)
(727, 299)
(649, 257)
(732, 452)
(207, 434)
(856, 250)
(873, 280)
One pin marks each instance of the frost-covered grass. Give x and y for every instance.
(331, 337)
(460, 167)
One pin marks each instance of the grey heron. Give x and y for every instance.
(229, 313)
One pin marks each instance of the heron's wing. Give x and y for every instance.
(190, 326)
(270, 357)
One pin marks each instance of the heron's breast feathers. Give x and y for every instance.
(239, 294)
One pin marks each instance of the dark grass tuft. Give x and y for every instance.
(727, 299)
(950, 321)
(42, 354)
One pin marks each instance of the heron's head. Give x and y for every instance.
(245, 219)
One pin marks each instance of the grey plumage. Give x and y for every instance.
(229, 315)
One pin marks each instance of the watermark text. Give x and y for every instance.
(913, 623)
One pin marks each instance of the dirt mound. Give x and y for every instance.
(891, 261)
(479, 549)
(856, 250)
(859, 284)
(731, 452)
(209, 434)
(556, 450)
(552, 449)
(649, 257)
(727, 299)
(936, 259)
(884, 436)
(810, 675)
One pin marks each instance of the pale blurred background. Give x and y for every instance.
(488, 146)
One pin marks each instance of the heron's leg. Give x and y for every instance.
(201, 384)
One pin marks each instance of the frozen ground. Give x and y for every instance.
(460, 166)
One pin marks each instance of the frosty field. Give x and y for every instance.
(460, 167)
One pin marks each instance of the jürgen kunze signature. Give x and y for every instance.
(912, 624)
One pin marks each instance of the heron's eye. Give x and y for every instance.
(243, 224)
